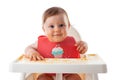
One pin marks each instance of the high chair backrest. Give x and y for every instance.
(73, 32)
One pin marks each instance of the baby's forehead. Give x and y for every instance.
(60, 14)
(56, 18)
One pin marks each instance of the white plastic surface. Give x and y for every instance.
(92, 65)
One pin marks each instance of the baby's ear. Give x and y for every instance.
(43, 28)
(69, 26)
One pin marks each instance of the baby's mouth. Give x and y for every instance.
(57, 35)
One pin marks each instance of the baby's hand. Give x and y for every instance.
(81, 47)
(34, 56)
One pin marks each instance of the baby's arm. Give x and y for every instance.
(82, 46)
(32, 53)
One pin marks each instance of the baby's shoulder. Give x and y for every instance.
(42, 37)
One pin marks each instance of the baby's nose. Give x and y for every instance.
(57, 28)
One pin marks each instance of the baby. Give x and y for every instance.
(56, 43)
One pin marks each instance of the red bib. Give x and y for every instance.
(68, 45)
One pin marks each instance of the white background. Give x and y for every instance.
(97, 21)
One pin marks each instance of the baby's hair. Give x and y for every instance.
(52, 12)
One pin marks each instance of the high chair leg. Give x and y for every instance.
(59, 76)
(95, 76)
(22, 76)
(90, 76)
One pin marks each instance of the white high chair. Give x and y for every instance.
(90, 65)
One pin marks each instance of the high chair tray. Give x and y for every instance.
(90, 63)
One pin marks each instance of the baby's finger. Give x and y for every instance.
(34, 58)
(42, 58)
(78, 47)
(39, 58)
(30, 57)
(83, 51)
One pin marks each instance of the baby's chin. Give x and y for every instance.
(57, 40)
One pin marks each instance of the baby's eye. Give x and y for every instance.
(51, 26)
(61, 25)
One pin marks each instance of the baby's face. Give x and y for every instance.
(55, 27)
